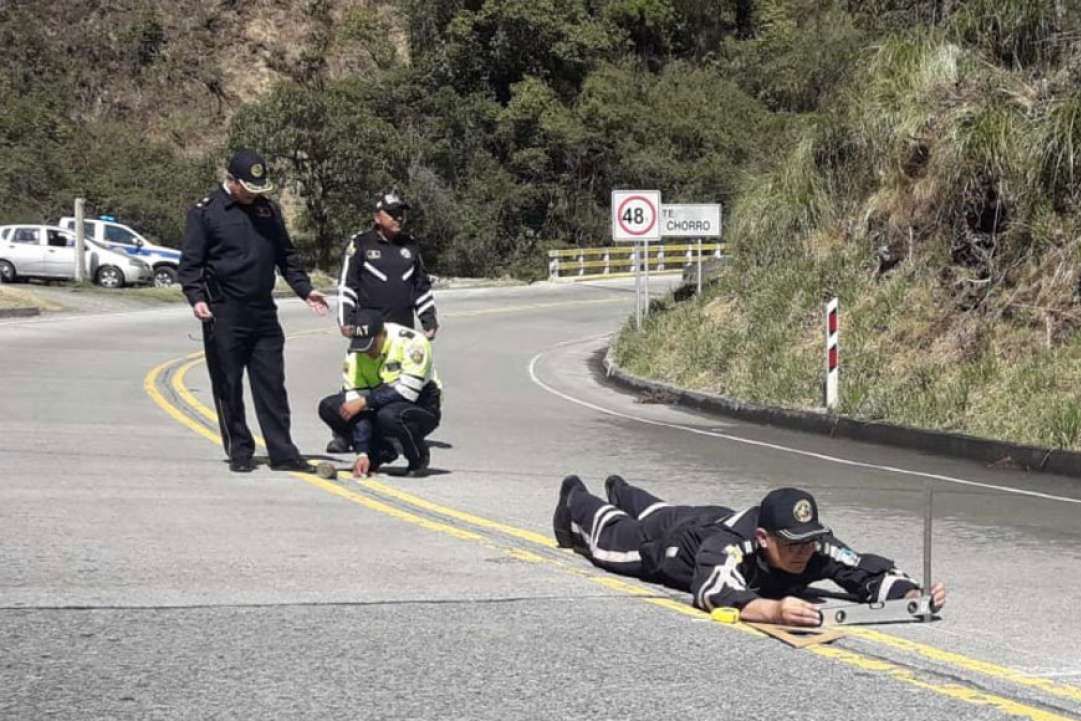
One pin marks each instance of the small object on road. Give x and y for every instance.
(799, 636)
(326, 470)
(725, 614)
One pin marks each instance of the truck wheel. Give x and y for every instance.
(7, 272)
(109, 276)
(164, 276)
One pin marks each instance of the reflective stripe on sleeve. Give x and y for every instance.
(725, 575)
(409, 273)
(411, 381)
(405, 391)
(421, 300)
(426, 306)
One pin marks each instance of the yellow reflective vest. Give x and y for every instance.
(404, 364)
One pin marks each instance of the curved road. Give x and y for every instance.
(140, 579)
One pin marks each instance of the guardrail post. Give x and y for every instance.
(553, 268)
(607, 263)
(581, 264)
(660, 258)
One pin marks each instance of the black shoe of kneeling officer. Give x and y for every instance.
(419, 469)
(561, 519)
(612, 484)
(339, 445)
(382, 457)
(241, 465)
(296, 465)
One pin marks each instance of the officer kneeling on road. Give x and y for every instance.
(390, 396)
(757, 560)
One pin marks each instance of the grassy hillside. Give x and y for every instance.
(937, 195)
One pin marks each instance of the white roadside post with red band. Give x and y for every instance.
(832, 354)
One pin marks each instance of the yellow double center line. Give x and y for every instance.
(378, 496)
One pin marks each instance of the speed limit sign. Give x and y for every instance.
(636, 215)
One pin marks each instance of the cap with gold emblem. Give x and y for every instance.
(250, 170)
(792, 514)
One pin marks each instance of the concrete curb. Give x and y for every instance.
(19, 312)
(953, 445)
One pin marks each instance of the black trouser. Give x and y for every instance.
(244, 336)
(408, 423)
(625, 534)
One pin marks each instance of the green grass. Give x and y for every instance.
(966, 166)
(14, 298)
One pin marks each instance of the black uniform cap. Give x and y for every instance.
(250, 170)
(367, 324)
(791, 513)
(392, 203)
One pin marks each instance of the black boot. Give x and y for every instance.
(612, 484)
(561, 519)
(338, 444)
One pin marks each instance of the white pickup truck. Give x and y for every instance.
(44, 251)
(115, 236)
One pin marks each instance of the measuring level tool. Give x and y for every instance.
(896, 611)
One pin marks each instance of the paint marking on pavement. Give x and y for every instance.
(852, 658)
(413, 500)
(788, 449)
(951, 690)
(983, 667)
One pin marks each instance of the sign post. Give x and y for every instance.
(635, 218)
(80, 243)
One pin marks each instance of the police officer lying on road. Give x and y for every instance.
(390, 396)
(234, 240)
(382, 270)
(755, 560)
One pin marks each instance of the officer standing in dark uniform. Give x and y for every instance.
(233, 241)
(382, 271)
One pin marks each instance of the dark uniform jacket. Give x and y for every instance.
(719, 562)
(230, 252)
(388, 276)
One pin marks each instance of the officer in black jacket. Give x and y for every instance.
(382, 271)
(756, 560)
(233, 241)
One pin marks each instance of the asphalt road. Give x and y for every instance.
(139, 579)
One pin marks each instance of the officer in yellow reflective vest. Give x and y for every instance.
(390, 395)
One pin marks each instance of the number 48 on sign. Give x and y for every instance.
(636, 215)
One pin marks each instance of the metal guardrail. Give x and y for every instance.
(618, 261)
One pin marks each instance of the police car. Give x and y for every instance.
(115, 236)
(45, 251)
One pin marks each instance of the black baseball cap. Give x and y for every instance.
(792, 514)
(366, 326)
(392, 203)
(251, 171)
